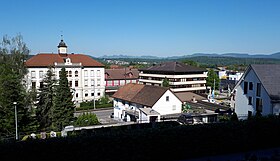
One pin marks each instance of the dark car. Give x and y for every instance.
(185, 119)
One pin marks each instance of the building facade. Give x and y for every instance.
(181, 77)
(85, 75)
(116, 78)
(145, 103)
(258, 91)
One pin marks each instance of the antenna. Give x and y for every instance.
(61, 35)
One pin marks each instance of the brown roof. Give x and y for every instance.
(142, 94)
(46, 60)
(112, 74)
(174, 67)
(128, 92)
(188, 96)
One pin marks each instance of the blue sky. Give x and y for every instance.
(145, 27)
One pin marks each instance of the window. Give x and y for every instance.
(167, 98)
(92, 82)
(98, 73)
(258, 90)
(33, 85)
(109, 83)
(92, 73)
(86, 73)
(259, 104)
(250, 101)
(98, 82)
(121, 82)
(92, 93)
(76, 73)
(40, 74)
(251, 86)
(86, 83)
(41, 84)
(70, 83)
(33, 74)
(116, 82)
(98, 94)
(77, 95)
(70, 74)
(174, 107)
(76, 83)
(245, 87)
(86, 94)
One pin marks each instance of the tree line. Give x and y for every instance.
(49, 108)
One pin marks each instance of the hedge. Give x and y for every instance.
(92, 107)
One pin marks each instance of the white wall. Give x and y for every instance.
(276, 108)
(166, 107)
(241, 99)
(81, 90)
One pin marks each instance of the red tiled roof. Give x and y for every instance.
(113, 74)
(128, 91)
(46, 60)
(142, 94)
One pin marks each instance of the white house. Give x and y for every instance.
(85, 75)
(145, 103)
(258, 90)
(181, 77)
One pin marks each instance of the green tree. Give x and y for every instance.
(104, 100)
(165, 82)
(87, 119)
(211, 78)
(190, 62)
(13, 54)
(45, 99)
(63, 109)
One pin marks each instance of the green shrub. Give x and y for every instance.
(87, 119)
(89, 105)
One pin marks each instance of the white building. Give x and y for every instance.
(234, 75)
(258, 90)
(182, 77)
(85, 75)
(145, 103)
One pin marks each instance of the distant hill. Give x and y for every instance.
(234, 55)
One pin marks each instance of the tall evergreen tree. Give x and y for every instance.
(45, 98)
(63, 110)
(211, 76)
(13, 54)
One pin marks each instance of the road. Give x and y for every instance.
(102, 115)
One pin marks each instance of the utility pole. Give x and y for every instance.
(15, 103)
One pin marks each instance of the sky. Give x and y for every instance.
(144, 27)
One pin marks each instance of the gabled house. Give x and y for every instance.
(258, 91)
(145, 103)
(115, 78)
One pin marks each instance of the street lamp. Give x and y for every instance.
(15, 103)
(94, 96)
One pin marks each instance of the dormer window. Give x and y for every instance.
(68, 61)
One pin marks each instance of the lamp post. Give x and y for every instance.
(15, 103)
(94, 95)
